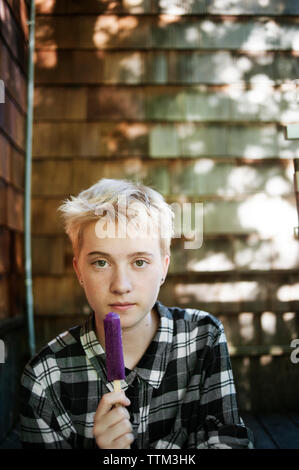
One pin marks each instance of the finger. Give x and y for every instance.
(119, 429)
(106, 437)
(123, 442)
(110, 399)
(111, 418)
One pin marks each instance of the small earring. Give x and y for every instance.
(81, 281)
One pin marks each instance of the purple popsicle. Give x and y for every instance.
(114, 348)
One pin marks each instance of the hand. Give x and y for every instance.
(112, 428)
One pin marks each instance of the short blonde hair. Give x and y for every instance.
(102, 197)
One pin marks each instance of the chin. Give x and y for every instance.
(127, 320)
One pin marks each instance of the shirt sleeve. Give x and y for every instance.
(39, 425)
(220, 426)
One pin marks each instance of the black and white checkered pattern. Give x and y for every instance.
(182, 390)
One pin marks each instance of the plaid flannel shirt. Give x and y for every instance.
(182, 390)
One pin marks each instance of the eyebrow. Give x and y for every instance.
(108, 255)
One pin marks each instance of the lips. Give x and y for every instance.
(121, 305)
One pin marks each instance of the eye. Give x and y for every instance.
(100, 261)
(142, 261)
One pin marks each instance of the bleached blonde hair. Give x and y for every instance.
(101, 200)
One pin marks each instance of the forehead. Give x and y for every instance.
(93, 240)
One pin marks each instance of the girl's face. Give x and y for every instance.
(120, 270)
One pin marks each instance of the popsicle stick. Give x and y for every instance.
(117, 385)
(117, 388)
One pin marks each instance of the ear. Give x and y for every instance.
(166, 265)
(76, 268)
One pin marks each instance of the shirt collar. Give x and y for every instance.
(151, 366)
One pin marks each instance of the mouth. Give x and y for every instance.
(121, 306)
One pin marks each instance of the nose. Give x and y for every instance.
(120, 283)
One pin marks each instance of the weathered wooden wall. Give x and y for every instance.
(13, 73)
(190, 98)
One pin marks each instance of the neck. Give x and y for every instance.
(137, 338)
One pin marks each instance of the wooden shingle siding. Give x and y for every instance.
(187, 140)
(198, 7)
(175, 67)
(13, 34)
(173, 32)
(236, 103)
(13, 72)
(19, 9)
(13, 77)
(12, 123)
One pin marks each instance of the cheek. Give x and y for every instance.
(154, 272)
(151, 273)
(95, 282)
(152, 279)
